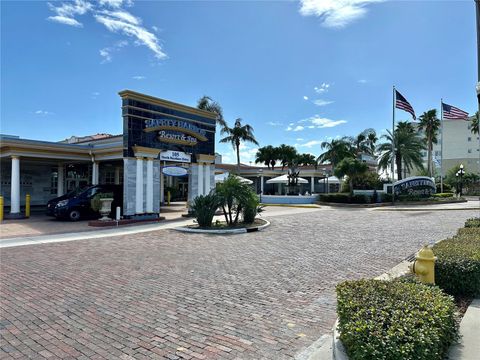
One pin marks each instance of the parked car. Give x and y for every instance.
(79, 206)
(53, 202)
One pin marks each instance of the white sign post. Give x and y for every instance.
(176, 156)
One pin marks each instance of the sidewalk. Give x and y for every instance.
(468, 347)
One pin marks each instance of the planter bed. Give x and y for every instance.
(258, 225)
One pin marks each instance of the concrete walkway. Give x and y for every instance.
(468, 347)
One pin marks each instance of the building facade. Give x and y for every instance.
(161, 141)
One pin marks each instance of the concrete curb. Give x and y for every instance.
(223, 231)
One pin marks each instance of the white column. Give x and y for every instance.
(312, 185)
(261, 184)
(95, 173)
(200, 179)
(207, 179)
(162, 186)
(15, 186)
(149, 195)
(117, 175)
(139, 187)
(60, 180)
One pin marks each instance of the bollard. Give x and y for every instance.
(168, 197)
(27, 205)
(1, 208)
(117, 214)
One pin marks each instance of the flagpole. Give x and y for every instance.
(441, 146)
(393, 144)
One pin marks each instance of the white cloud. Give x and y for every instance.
(321, 102)
(156, 29)
(305, 97)
(274, 123)
(362, 81)
(320, 122)
(335, 13)
(95, 94)
(299, 139)
(298, 128)
(66, 12)
(322, 88)
(142, 36)
(106, 53)
(115, 18)
(309, 144)
(43, 112)
(138, 77)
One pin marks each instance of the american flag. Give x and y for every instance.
(453, 113)
(403, 104)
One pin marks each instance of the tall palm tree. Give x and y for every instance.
(208, 104)
(266, 155)
(237, 134)
(430, 124)
(372, 141)
(474, 128)
(286, 154)
(306, 159)
(336, 151)
(362, 142)
(408, 148)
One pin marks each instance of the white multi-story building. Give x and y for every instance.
(460, 146)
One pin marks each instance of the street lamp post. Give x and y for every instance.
(459, 175)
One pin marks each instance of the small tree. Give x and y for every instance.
(204, 207)
(352, 168)
(233, 197)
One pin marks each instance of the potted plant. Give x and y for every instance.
(102, 203)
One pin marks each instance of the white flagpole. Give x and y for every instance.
(441, 145)
(393, 145)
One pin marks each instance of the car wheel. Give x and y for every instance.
(74, 215)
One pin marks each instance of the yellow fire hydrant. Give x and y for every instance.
(424, 265)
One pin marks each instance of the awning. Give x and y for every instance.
(331, 179)
(284, 180)
(222, 177)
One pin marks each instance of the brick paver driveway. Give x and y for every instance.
(265, 295)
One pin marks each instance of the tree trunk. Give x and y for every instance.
(237, 145)
(350, 183)
(429, 158)
(398, 161)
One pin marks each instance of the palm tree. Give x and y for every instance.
(352, 168)
(286, 154)
(474, 127)
(237, 134)
(336, 151)
(208, 104)
(408, 148)
(429, 123)
(306, 160)
(266, 155)
(362, 142)
(372, 141)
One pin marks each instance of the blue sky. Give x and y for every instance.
(299, 72)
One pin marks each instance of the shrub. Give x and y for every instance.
(251, 208)
(443, 195)
(446, 188)
(457, 268)
(95, 202)
(203, 208)
(397, 320)
(386, 197)
(346, 198)
(473, 222)
(233, 196)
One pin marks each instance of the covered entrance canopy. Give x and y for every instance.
(222, 177)
(284, 180)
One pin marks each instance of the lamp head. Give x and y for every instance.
(461, 166)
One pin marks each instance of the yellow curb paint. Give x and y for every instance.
(290, 325)
(301, 335)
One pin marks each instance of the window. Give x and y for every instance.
(469, 139)
(53, 181)
(469, 151)
(110, 177)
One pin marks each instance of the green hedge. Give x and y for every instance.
(397, 320)
(443, 195)
(457, 269)
(473, 222)
(345, 198)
